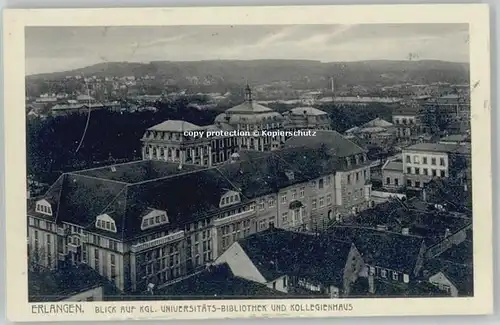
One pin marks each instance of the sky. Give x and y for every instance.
(51, 49)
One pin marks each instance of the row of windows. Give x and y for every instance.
(149, 222)
(424, 161)
(425, 172)
(314, 202)
(106, 225)
(284, 196)
(357, 177)
(230, 199)
(234, 232)
(44, 209)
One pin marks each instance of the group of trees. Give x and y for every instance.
(52, 143)
(113, 136)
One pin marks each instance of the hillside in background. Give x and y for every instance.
(265, 71)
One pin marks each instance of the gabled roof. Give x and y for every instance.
(333, 140)
(384, 249)
(216, 282)
(461, 275)
(378, 122)
(276, 252)
(307, 111)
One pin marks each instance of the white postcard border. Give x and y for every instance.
(476, 15)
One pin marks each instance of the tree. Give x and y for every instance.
(36, 258)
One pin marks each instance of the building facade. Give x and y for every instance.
(150, 222)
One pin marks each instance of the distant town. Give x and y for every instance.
(125, 204)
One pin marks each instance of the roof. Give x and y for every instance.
(461, 275)
(341, 146)
(396, 165)
(63, 283)
(387, 289)
(276, 252)
(437, 147)
(125, 191)
(216, 282)
(456, 138)
(249, 106)
(307, 111)
(393, 251)
(378, 122)
(174, 126)
(138, 171)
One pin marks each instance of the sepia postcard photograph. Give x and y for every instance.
(197, 163)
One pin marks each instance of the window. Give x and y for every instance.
(152, 219)
(433, 161)
(294, 194)
(96, 260)
(321, 183)
(434, 173)
(408, 159)
(442, 162)
(348, 179)
(388, 180)
(328, 199)
(113, 266)
(284, 282)
(43, 207)
(322, 201)
(443, 173)
(274, 285)
(357, 176)
(364, 174)
(416, 159)
(271, 202)
(283, 198)
(383, 273)
(395, 276)
(313, 203)
(417, 171)
(372, 270)
(408, 183)
(105, 222)
(396, 182)
(262, 204)
(302, 189)
(408, 170)
(424, 160)
(417, 184)
(426, 171)
(284, 217)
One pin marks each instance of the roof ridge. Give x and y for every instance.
(96, 178)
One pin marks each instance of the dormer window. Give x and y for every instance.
(231, 197)
(105, 222)
(43, 207)
(153, 219)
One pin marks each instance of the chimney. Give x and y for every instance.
(447, 233)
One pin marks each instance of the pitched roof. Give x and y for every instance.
(249, 106)
(437, 147)
(216, 282)
(395, 165)
(61, 284)
(461, 275)
(307, 111)
(125, 191)
(335, 141)
(276, 252)
(174, 126)
(378, 122)
(380, 248)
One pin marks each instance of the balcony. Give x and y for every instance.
(157, 242)
(73, 248)
(234, 218)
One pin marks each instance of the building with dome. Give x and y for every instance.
(307, 118)
(167, 141)
(252, 116)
